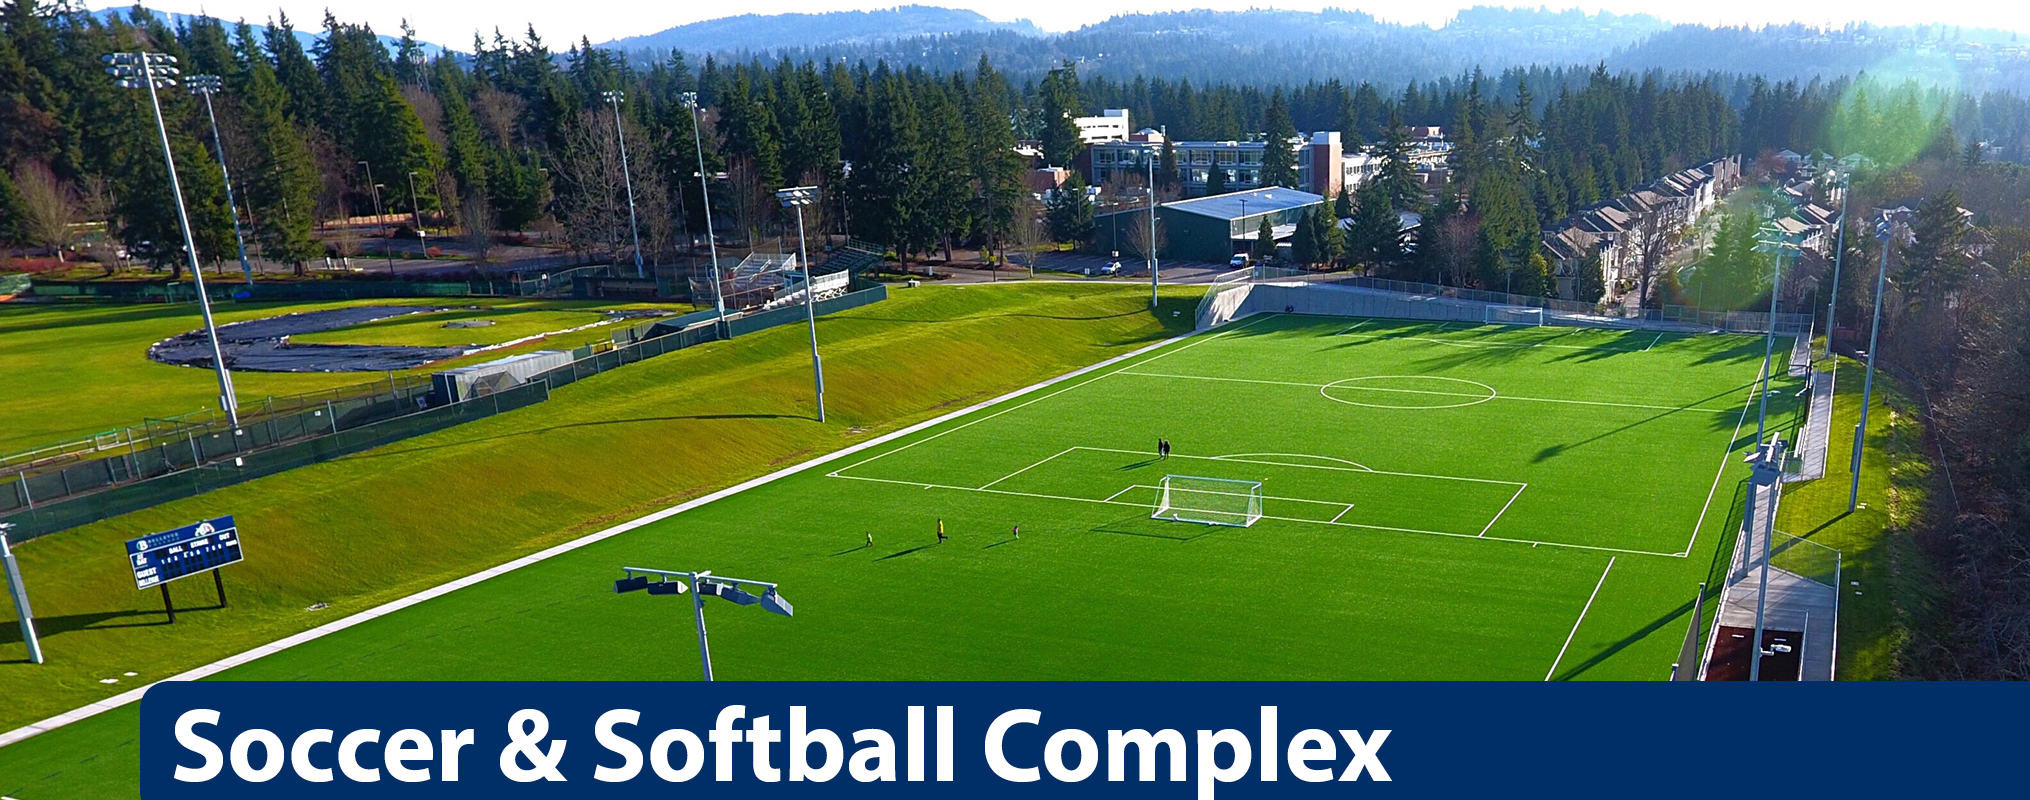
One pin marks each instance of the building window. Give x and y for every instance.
(1103, 156)
(1103, 174)
(1226, 156)
(1201, 157)
(1252, 157)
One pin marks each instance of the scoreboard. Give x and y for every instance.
(163, 557)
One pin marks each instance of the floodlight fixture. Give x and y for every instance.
(206, 86)
(797, 197)
(690, 101)
(673, 582)
(613, 98)
(154, 71)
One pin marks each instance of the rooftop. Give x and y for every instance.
(1258, 201)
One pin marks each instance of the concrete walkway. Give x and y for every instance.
(1794, 602)
(1817, 434)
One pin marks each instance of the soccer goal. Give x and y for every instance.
(1209, 501)
(1514, 315)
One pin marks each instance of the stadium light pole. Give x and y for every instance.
(208, 85)
(153, 71)
(797, 197)
(1774, 242)
(699, 584)
(19, 590)
(1883, 229)
(1154, 283)
(1768, 471)
(613, 98)
(416, 210)
(1844, 182)
(690, 101)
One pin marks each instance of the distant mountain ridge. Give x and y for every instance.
(308, 38)
(759, 32)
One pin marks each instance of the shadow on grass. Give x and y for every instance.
(1120, 527)
(383, 453)
(851, 550)
(997, 544)
(45, 627)
(1559, 449)
(1640, 634)
(902, 553)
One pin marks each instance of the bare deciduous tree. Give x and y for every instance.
(48, 204)
(478, 219)
(1657, 240)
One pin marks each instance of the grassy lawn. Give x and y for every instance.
(429, 329)
(1452, 503)
(1895, 583)
(602, 450)
(76, 370)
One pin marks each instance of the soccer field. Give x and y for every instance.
(1440, 502)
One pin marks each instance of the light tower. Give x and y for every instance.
(613, 98)
(208, 85)
(153, 71)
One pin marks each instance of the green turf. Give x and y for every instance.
(602, 450)
(1627, 443)
(428, 329)
(84, 369)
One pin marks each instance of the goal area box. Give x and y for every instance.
(1514, 315)
(1209, 501)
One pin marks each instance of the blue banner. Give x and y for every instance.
(1188, 741)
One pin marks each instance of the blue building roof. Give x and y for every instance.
(1259, 201)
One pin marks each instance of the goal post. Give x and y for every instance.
(1515, 315)
(1209, 501)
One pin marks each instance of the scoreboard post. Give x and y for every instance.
(157, 559)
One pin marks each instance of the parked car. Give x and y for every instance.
(1237, 261)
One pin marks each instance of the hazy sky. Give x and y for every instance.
(452, 22)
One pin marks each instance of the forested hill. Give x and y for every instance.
(1257, 47)
(771, 32)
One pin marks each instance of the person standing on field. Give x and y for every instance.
(940, 530)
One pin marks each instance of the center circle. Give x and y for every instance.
(1420, 392)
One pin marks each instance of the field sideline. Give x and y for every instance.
(1556, 598)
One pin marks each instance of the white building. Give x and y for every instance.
(1110, 126)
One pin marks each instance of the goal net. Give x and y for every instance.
(1209, 501)
(1514, 315)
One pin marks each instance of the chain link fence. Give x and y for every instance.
(173, 459)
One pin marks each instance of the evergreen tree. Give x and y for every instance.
(1374, 240)
(1304, 242)
(996, 169)
(1279, 162)
(1590, 284)
(1342, 206)
(390, 138)
(885, 184)
(296, 73)
(1398, 176)
(1167, 179)
(947, 174)
(1215, 181)
(282, 182)
(1070, 213)
(1059, 90)
(1264, 244)
(1936, 263)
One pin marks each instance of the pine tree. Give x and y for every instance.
(1060, 96)
(1070, 213)
(296, 73)
(1304, 242)
(1279, 162)
(947, 174)
(885, 184)
(1167, 178)
(1398, 176)
(1374, 240)
(1935, 262)
(282, 183)
(1342, 206)
(391, 139)
(1215, 181)
(1590, 284)
(1264, 244)
(996, 169)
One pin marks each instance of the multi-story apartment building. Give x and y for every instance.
(1322, 166)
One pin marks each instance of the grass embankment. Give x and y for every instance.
(1887, 582)
(77, 370)
(379, 525)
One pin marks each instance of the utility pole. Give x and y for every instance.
(208, 85)
(613, 98)
(152, 71)
(1839, 254)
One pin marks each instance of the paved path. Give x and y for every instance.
(1794, 602)
(1817, 435)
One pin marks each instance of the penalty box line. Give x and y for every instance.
(1387, 528)
(1202, 339)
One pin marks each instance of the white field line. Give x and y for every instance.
(1497, 396)
(1652, 343)
(1027, 468)
(1355, 326)
(1362, 469)
(1582, 619)
(1061, 378)
(1504, 509)
(1110, 498)
(1342, 513)
(132, 695)
(1450, 534)
(1245, 456)
(1726, 455)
